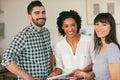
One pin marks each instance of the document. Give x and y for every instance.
(62, 76)
(65, 77)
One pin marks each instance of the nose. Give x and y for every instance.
(40, 15)
(70, 28)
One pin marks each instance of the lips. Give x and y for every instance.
(40, 19)
(100, 32)
(70, 33)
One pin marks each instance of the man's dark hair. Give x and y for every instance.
(32, 5)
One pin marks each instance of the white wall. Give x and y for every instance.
(15, 17)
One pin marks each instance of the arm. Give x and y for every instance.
(84, 72)
(92, 56)
(88, 68)
(57, 63)
(10, 57)
(56, 71)
(114, 69)
(52, 61)
(114, 62)
(14, 68)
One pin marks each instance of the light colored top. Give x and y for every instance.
(67, 61)
(110, 55)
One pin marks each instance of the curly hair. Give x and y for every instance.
(68, 14)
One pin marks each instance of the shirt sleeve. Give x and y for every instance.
(113, 54)
(48, 36)
(58, 58)
(91, 50)
(13, 50)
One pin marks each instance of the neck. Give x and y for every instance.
(103, 42)
(73, 39)
(36, 27)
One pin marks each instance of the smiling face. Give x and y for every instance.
(38, 16)
(102, 29)
(69, 26)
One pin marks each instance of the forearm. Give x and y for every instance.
(88, 68)
(52, 62)
(15, 69)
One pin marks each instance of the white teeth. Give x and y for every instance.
(70, 33)
(100, 32)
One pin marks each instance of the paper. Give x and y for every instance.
(57, 77)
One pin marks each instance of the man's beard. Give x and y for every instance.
(37, 23)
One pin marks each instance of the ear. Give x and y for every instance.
(62, 27)
(29, 16)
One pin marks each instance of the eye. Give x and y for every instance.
(96, 24)
(37, 12)
(65, 26)
(104, 24)
(73, 24)
(43, 12)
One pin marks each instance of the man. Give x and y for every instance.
(29, 54)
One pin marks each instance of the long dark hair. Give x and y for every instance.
(111, 37)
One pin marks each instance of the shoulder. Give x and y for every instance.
(86, 38)
(113, 53)
(113, 47)
(61, 43)
(46, 30)
(22, 33)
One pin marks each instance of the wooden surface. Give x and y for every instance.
(7, 76)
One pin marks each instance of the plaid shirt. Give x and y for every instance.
(31, 50)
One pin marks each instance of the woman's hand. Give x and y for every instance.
(76, 70)
(56, 72)
(79, 73)
(53, 74)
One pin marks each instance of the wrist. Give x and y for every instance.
(91, 75)
(26, 76)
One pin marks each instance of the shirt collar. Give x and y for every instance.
(32, 28)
